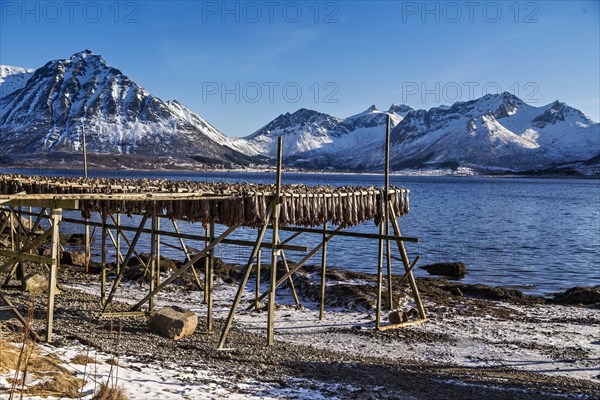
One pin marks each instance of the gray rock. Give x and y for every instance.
(451, 269)
(35, 283)
(76, 239)
(397, 317)
(173, 322)
(73, 258)
(579, 295)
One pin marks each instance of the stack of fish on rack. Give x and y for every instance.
(239, 204)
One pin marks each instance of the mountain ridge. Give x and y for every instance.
(42, 112)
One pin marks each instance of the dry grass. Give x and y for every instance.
(45, 374)
(109, 393)
(59, 384)
(10, 356)
(82, 359)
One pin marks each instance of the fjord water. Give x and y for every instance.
(539, 235)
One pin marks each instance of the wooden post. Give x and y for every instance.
(87, 245)
(103, 255)
(206, 263)
(240, 291)
(258, 266)
(379, 279)
(210, 281)
(274, 249)
(85, 166)
(118, 244)
(187, 255)
(56, 216)
(290, 280)
(323, 272)
(128, 242)
(119, 259)
(12, 231)
(87, 227)
(20, 272)
(386, 210)
(300, 263)
(157, 249)
(407, 266)
(185, 267)
(126, 261)
(152, 261)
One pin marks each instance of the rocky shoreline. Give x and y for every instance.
(339, 359)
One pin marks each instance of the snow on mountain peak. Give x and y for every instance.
(13, 79)
(400, 109)
(120, 117)
(369, 111)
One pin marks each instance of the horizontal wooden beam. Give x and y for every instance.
(123, 314)
(402, 324)
(350, 234)
(17, 255)
(239, 242)
(24, 201)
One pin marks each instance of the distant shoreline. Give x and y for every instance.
(409, 173)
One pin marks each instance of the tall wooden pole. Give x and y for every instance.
(87, 227)
(87, 245)
(240, 291)
(157, 250)
(258, 266)
(407, 267)
(85, 166)
(210, 281)
(56, 217)
(379, 279)
(323, 271)
(386, 212)
(274, 249)
(152, 261)
(103, 255)
(206, 262)
(118, 244)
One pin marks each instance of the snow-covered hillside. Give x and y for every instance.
(313, 134)
(48, 113)
(495, 131)
(43, 112)
(13, 78)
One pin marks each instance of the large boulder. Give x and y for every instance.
(35, 283)
(73, 258)
(173, 322)
(579, 295)
(450, 269)
(398, 317)
(76, 239)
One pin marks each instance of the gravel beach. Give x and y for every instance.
(473, 346)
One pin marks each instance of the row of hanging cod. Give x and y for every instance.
(239, 204)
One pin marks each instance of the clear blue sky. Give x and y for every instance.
(240, 64)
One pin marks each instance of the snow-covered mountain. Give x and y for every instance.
(310, 135)
(13, 78)
(43, 111)
(495, 131)
(47, 114)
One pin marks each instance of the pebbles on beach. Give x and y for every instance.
(472, 347)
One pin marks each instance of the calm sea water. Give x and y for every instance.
(541, 235)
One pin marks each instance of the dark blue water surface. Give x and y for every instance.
(539, 234)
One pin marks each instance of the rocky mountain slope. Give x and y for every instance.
(43, 112)
(47, 114)
(495, 132)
